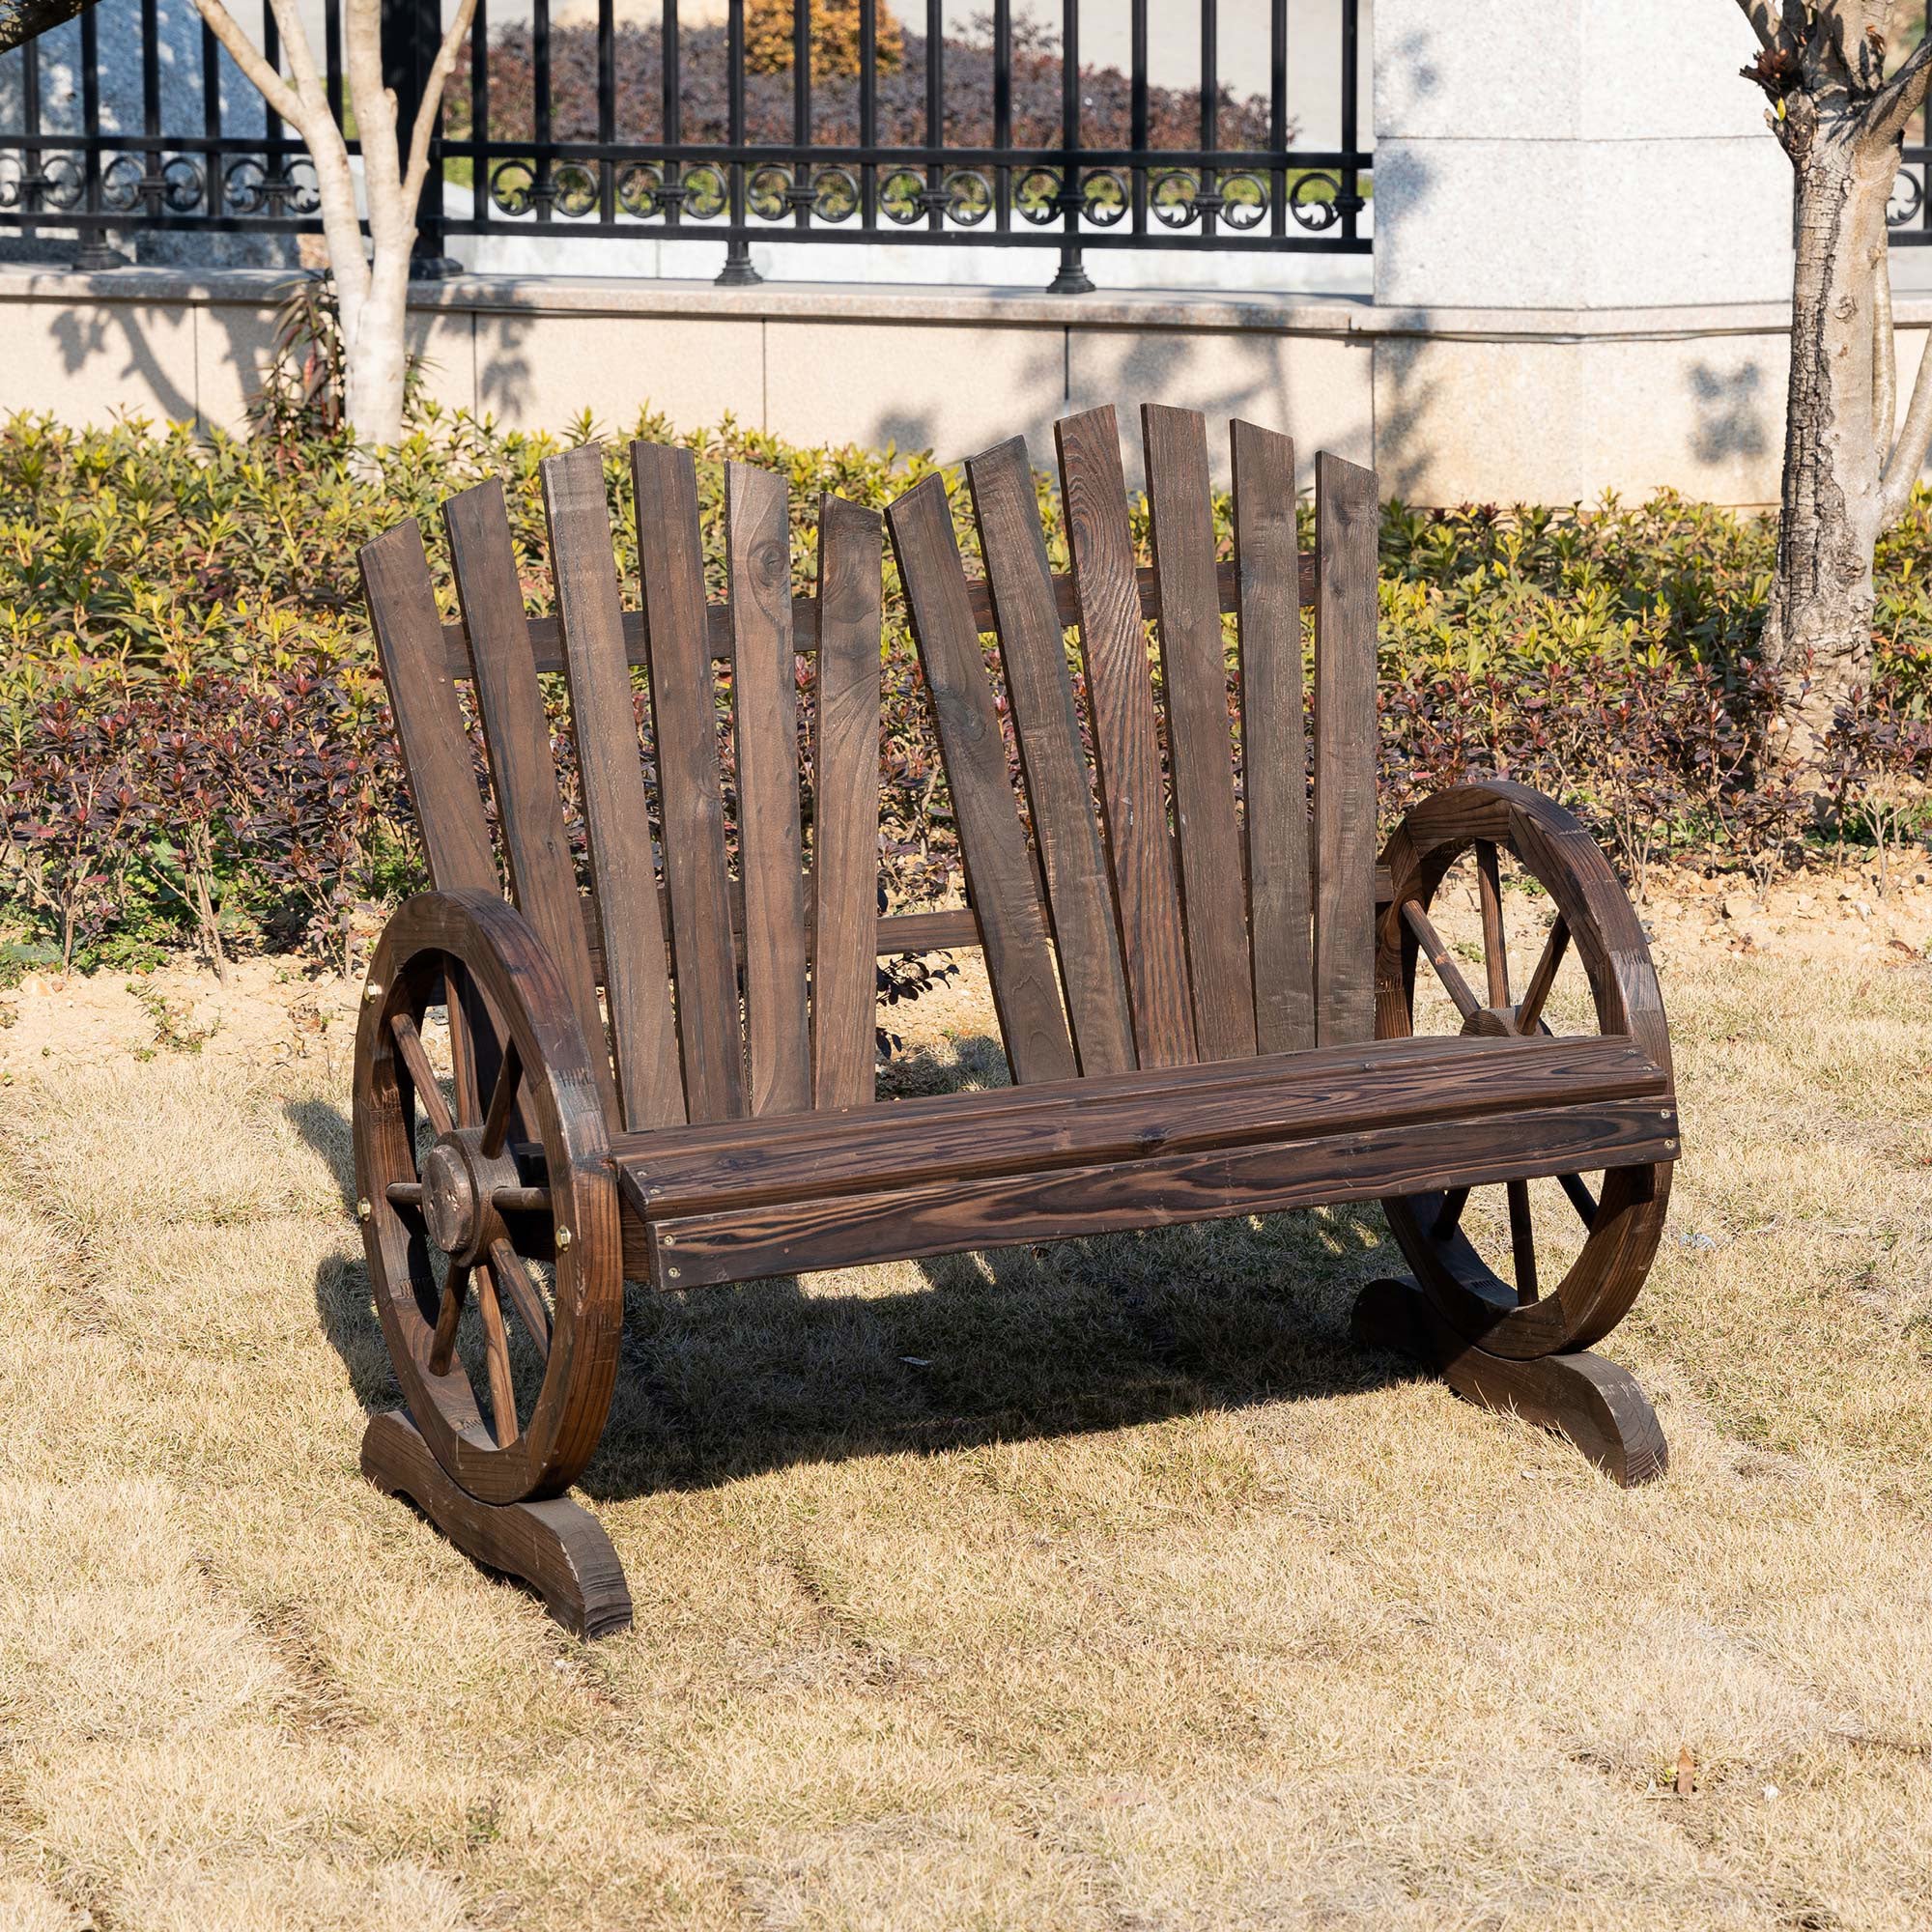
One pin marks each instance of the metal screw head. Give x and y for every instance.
(1670, 1146)
(564, 1238)
(372, 991)
(362, 1208)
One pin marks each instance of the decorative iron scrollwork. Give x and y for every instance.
(1908, 197)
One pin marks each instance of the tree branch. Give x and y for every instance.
(1885, 357)
(22, 19)
(1771, 29)
(431, 100)
(243, 52)
(1908, 453)
(1897, 100)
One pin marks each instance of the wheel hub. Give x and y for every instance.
(458, 1185)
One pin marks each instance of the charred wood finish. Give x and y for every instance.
(1204, 978)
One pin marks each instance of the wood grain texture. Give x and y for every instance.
(436, 748)
(1595, 1404)
(522, 772)
(547, 648)
(771, 854)
(1124, 1116)
(558, 1548)
(1274, 740)
(1347, 526)
(438, 760)
(617, 813)
(1033, 652)
(1119, 696)
(844, 908)
(992, 842)
(691, 799)
(1194, 680)
(1070, 1203)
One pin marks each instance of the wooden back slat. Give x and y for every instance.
(603, 720)
(436, 748)
(1274, 739)
(684, 716)
(992, 842)
(1032, 650)
(845, 807)
(1200, 739)
(1120, 695)
(542, 874)
(1347, 526)
(442, 773)
(764, 689)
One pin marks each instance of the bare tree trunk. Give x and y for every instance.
(1818, 630)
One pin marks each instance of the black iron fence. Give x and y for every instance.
(833, 122)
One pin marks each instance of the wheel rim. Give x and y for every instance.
(1593, 966)
(489, 1210)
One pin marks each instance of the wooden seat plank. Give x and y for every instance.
(1067, 1203)
(1039, 688)
(1132, 1116)
(1274, 740)
(1200, 735)
(845, 807)
(690, 801)
(617, 814)
(1347, 527)
(992, 842)
(1120, 693)
(757, 545)
(522, 772)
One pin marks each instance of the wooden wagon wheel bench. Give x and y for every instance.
(1211, 997)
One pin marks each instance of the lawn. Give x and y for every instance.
(1105, 1587)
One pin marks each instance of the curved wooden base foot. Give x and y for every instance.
(1597, 1405)
(557, 1547)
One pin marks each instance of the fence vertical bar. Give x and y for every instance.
(671, 193)
(543, 189)
(868, 110)
(607, 109)
(1072, 278)
(479, 111)
(1002, 112)
(1350, 200)
(737, 272)
(935, 113)
(1137, 129)
(1207, 196)
(331, 55)
(411, 30)
(34, 178)
(1278, 113)
(151, 188)
(798, 188)
(97, 250)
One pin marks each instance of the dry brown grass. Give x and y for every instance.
(1136, 1598)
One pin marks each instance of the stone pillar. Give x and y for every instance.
(1597, 175)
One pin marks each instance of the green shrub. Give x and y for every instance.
(180, 621)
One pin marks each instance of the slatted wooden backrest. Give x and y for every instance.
(1182, 903)
(730, 985)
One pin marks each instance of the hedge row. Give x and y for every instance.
(194, 747)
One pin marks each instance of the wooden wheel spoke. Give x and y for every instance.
(1496, 950)
(443, 1344)
(422, 1076)
(496, 1349)
(1449, 1213)
(502, 1101)
(513, 1284)
(1522, 1240)
(1530, 1012)
(1581, 1198)
(522, 1200)
(1430, 940)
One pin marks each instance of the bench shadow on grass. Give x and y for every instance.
(947, 1352)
